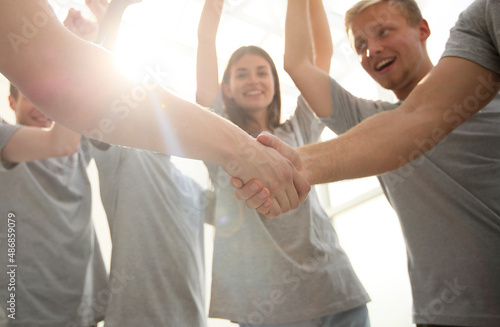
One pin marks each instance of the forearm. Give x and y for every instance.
(312, 82)
(298, 41)
(389, 140)
(34, 143)
(207, 74)
(322, 38)
(78, 85)
(110, 23)
(65, 141)
(371, 148)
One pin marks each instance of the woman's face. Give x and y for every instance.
(251, 83)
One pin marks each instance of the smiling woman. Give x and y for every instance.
(251, 90)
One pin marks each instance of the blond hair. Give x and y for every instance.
(407, 8)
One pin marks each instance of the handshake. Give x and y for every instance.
(284, 183)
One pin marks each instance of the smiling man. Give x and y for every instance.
(446, 200)
(26, 113)
(390, 41)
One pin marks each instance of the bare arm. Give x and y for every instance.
(109, 24)
(322, 37)
(438, 105)
(207, 74)
(98, 8)
(78, 85)
(312, 80)
(35, 143)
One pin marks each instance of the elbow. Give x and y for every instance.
(290, 66)
(298, 69)
(206, 99)
(294, 64)
(67, 149)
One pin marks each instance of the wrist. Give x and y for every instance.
(233, 153)
(307, 167)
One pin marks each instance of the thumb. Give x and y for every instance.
(268, 139)
(284, 149)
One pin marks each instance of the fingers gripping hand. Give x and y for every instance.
(301, 184)
(252, 192)
(288, 188)
(255, 196)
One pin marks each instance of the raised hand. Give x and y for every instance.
(80, 26)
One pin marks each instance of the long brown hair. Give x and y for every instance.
(234, 112)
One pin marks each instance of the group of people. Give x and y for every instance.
(435, 152)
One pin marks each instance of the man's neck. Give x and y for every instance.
(402, 94)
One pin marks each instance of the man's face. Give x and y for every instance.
(390, 50)
(26, 113)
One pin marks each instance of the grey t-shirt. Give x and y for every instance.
(476, 35)
(55, 246)
(280, 270)
(156, 217)
(448, 202)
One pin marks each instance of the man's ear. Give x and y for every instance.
(227, 91)
(12, 102)
(424, 30)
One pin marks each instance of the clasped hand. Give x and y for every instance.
(258, 197)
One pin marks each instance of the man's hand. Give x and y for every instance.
(253, 160)
(284, 149)
(255, 195)
(80, 26)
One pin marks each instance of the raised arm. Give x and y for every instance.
(35, 143)
(207, 73)
(109, 24)
(79, 85)
(321, 35)
(309, 74)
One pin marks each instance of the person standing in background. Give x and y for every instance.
(46, 204)
(291, 270)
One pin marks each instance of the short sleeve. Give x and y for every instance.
(105, 155)
(475, 35)
(6, 132)
(349, 110)
(303, 123)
